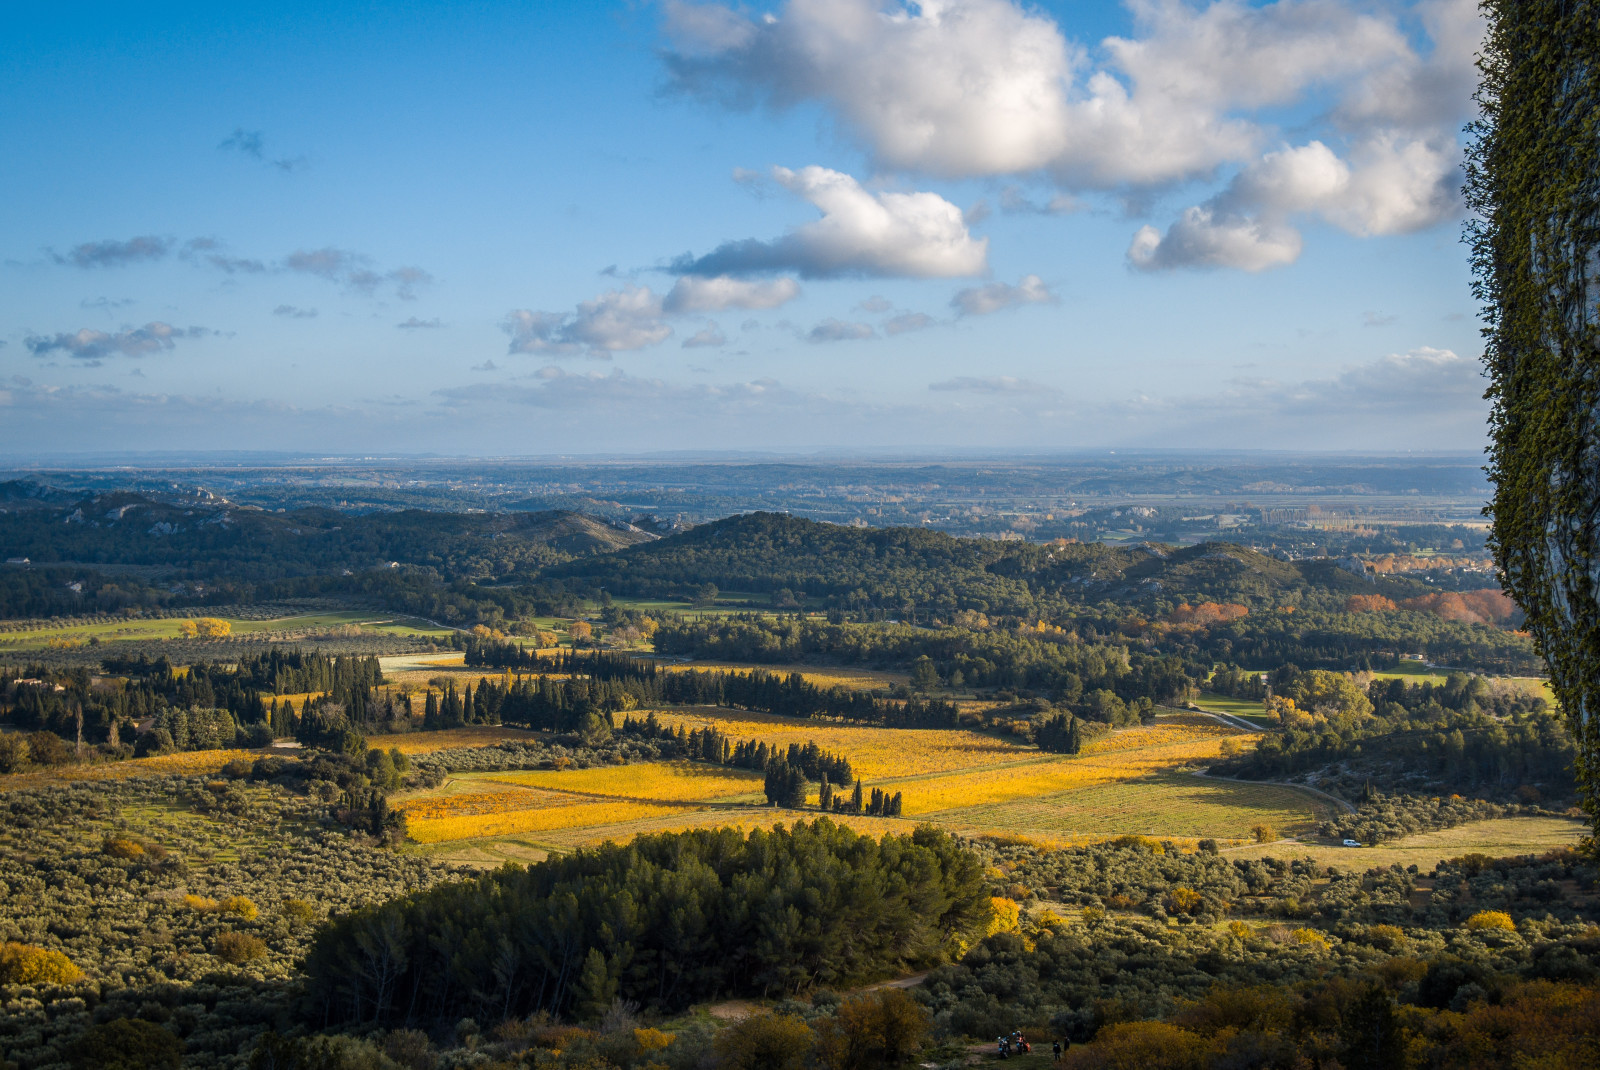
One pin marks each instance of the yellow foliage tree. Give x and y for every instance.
(239, 906)
(1004, 916)
(1310, 938)
(24, 964)
(1491, 919)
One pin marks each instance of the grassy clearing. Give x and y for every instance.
(1166, 805)
(1497, 838)
(1244, 709)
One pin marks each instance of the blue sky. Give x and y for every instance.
(577, 228)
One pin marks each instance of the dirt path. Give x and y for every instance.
(733, 1010)
(1340, 803)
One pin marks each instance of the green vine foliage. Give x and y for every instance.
(1533, 184)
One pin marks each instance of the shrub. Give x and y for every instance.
(1263, 833)
(649, 1039)
(1140, 1046)
(874, 1029)
(1181, 900)
(236, 949)
(1310, 938)
(200, 903)
(299, 911)
(120, 847)
(13, 753)
(24, 964)
(765, 1042)
(127, 1044)
(47, 748)
(1491, 919)
(239, 906)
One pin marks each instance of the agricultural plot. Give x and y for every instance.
(1498, 838)
(23, 636)
(966, 781)
(183, 763)
(876, 753)
(1165, 805)
(657, 781)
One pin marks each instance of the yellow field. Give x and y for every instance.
(964, 780)
(567, 816)
(657, 781)
(875, 753)
(1129, 754)
(1174, 728)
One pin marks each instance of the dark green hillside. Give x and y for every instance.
(135, 547)
(889, 567)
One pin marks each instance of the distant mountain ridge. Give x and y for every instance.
(192, 534)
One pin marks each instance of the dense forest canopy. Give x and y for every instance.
(666, 921)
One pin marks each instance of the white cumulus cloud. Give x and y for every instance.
(629, 318)
(694, 293)
(917, 235)
(968, 88)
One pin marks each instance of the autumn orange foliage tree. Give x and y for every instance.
(1206, 614)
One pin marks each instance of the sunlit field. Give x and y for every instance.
(22, 636)
(875, 753)
(967, 781)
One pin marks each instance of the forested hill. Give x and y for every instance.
(212, 541)
(890, 567)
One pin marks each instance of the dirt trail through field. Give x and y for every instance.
(1345, 806)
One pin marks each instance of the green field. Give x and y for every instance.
(1166, 804)
(23, 636)
(1498, 838)
(1242, 708)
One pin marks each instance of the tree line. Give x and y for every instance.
(620, 682)
(665, 921)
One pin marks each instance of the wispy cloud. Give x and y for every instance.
(832, 330)
(996, 296)
(709, 335)
(114, 252)
(993, 384)
(89, 344)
